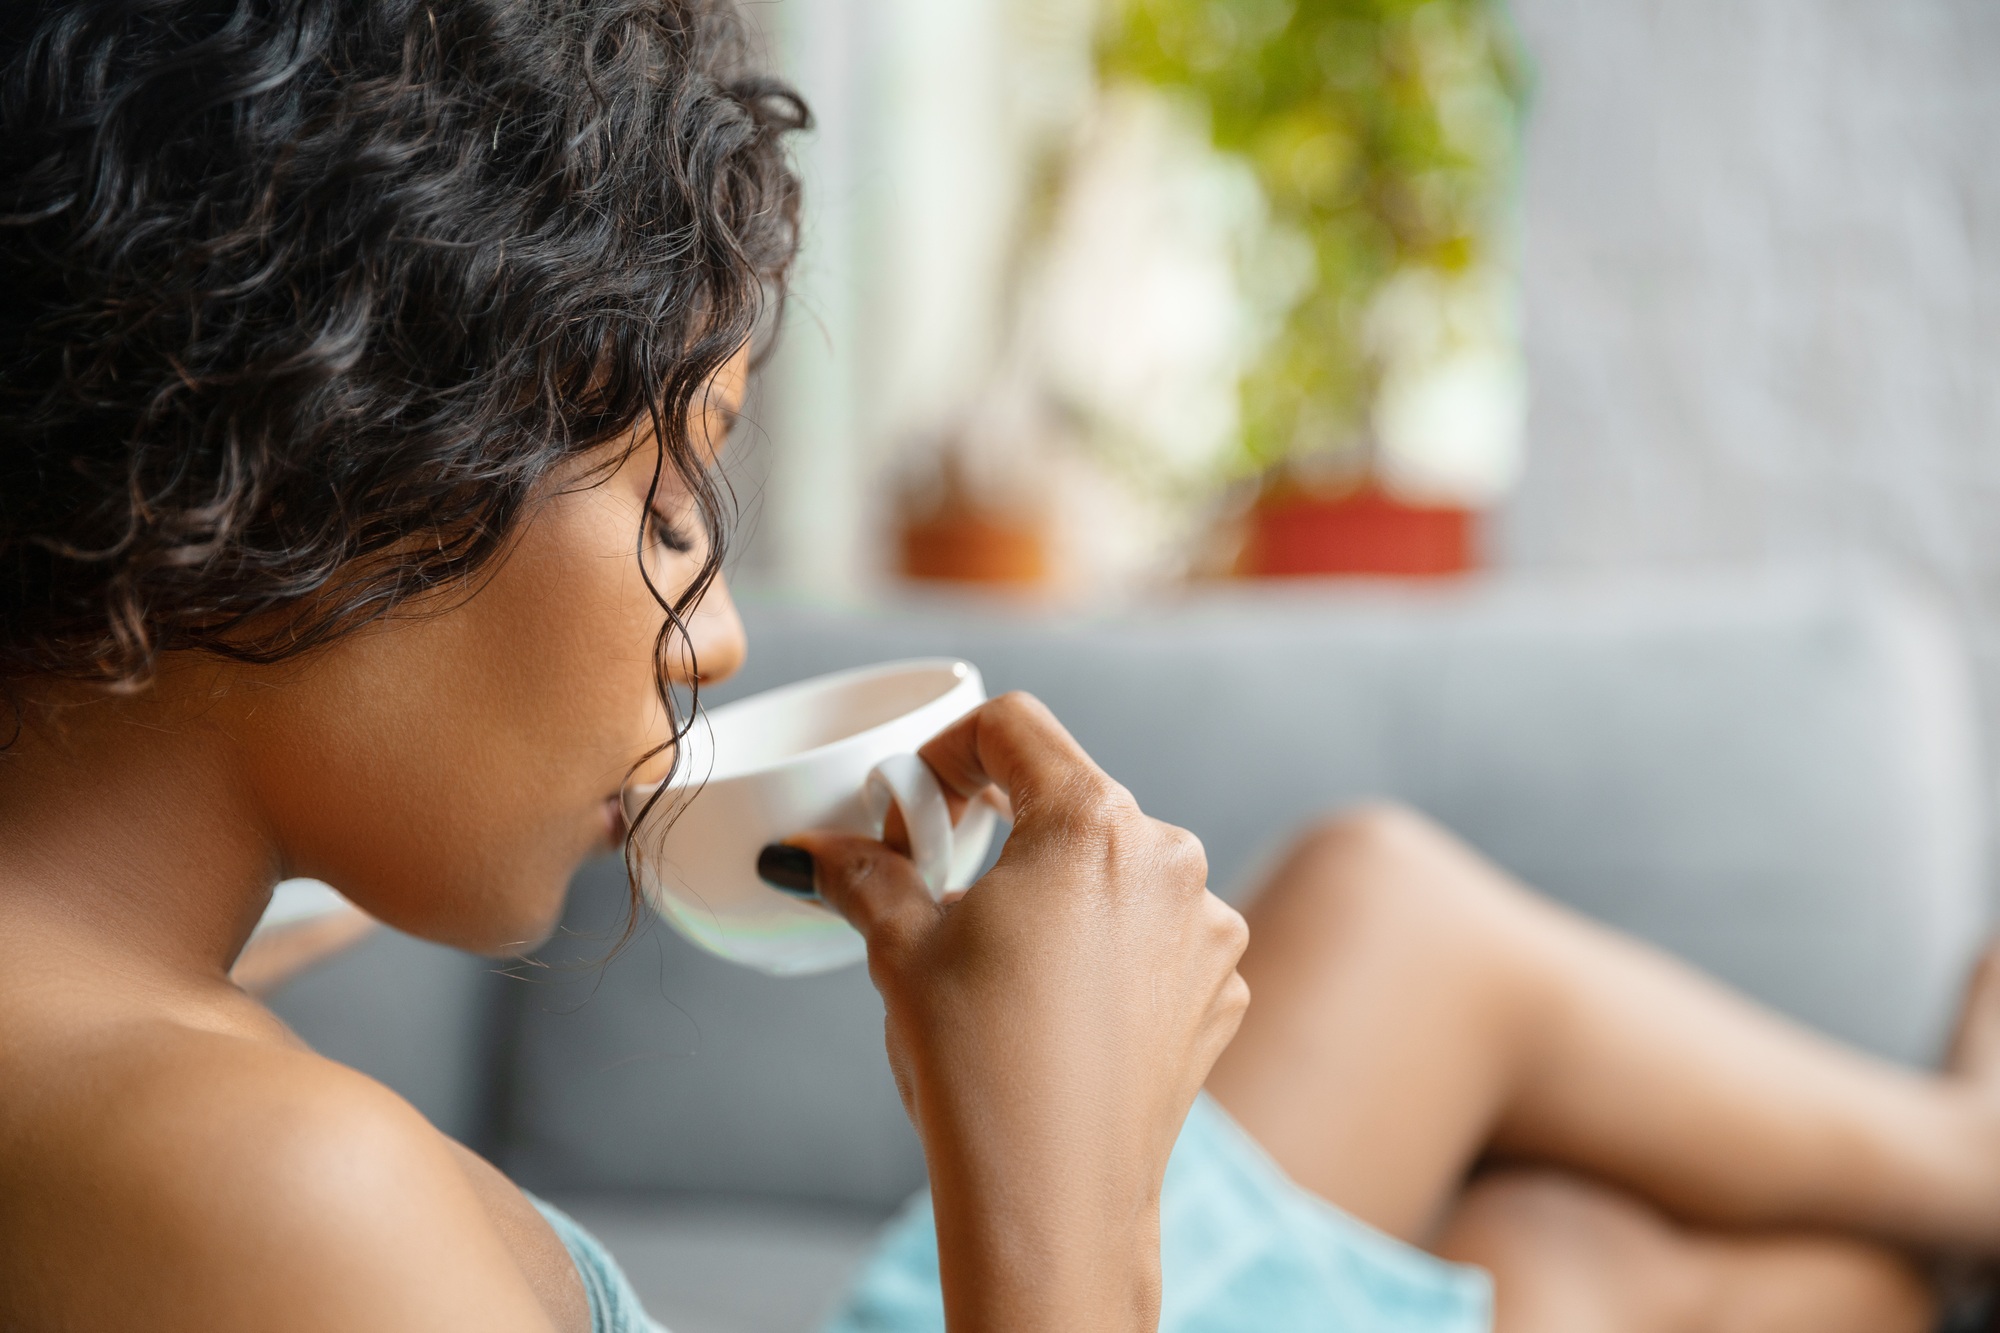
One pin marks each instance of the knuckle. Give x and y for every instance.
(1183, 854)
(1106, 803)
(1236, 994)
(848, 869)
(1018, 706)
(860, 882)
(1234, 930)
(1092, 804)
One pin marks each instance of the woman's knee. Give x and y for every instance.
(1565, 1253)
(1381, 861)
(1369, 830)
(1359, 849)
(1509, 1215)
(1381, 903)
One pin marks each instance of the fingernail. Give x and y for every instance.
(789, 869)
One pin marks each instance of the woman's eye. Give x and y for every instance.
(669, 533)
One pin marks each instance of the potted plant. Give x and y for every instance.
(1384, 134)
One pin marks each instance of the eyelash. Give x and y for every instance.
(666, 533)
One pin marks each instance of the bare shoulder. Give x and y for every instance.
(166, 1177)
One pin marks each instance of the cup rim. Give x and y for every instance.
(959, 669)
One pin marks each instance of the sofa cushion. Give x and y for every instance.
(1772, 776)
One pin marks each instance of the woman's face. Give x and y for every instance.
(448, 771)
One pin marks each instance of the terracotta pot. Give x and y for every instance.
(1365, 531)
(960, 544)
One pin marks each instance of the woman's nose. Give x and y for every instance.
(715, 632)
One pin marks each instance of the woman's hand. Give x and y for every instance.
(1050, 1029)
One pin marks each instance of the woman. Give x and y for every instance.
(363, 367)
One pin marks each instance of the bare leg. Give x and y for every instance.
(1415, 1011)
(1570, 1256)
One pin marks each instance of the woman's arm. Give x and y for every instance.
(1050, 1029)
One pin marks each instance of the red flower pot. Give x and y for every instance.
(1366, 531)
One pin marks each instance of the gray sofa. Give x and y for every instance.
(1773, 776)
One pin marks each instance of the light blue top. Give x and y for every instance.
(614, 1306)
(1242, 1250)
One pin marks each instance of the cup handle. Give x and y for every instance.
(907, 782)
(971, 839)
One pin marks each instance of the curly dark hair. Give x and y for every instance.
(301, 299)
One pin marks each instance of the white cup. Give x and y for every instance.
(829, 753)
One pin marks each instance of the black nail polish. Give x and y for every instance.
(787, 868)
